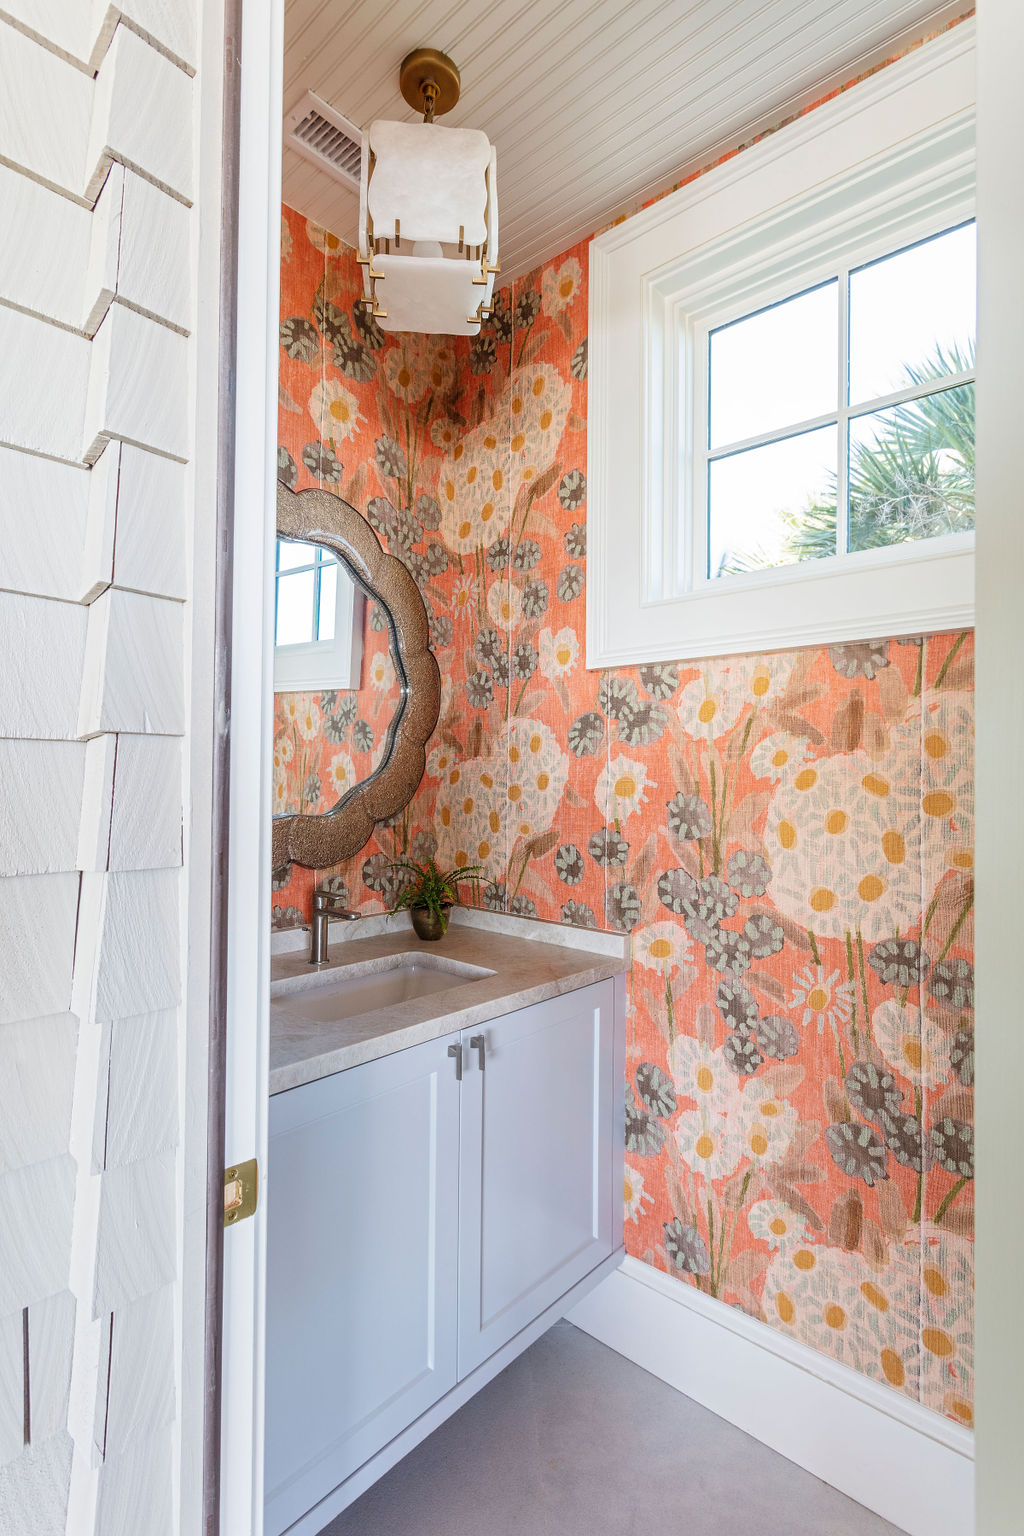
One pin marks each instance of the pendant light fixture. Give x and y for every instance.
(428, 211)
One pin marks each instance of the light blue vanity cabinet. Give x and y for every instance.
(536, 1202)
(362, 1256)
(425, 1209)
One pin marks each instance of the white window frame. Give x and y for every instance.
(883, 165)
(314, 665)
(692, 575)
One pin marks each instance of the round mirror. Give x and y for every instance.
(333, 780)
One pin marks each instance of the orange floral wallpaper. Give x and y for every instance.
(786, 836)
(339, 430)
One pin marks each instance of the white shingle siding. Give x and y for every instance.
(98, 275)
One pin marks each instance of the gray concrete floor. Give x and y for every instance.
(573, 1440)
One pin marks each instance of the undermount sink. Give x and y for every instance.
(327, 996)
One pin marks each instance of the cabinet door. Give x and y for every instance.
(538, 1149)
(361, 1269)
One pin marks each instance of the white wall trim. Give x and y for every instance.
(896, 1457)
(886, 163)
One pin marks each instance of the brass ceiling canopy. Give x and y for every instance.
(430, 82)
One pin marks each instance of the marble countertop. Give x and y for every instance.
(525, 962)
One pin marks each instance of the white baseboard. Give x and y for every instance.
(905, 1462)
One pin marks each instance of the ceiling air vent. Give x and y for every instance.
(319, 133)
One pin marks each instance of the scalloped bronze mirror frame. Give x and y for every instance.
(318, 841)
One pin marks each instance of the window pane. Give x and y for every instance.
(912, 315)
(328, 602)
(912, 470)
(773, 505)
(294, 609)
(294, 552)
(776, 368)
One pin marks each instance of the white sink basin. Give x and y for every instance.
(327, 996)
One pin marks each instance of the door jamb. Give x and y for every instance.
(240, 949)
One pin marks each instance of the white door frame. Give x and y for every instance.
(1000, 818)
(251, 719)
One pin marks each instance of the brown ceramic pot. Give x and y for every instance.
(426, 923)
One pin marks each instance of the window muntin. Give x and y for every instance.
(899, 462)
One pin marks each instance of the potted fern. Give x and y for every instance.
(430, 893)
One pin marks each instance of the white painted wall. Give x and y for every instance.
(110, 127)
(999, 1417)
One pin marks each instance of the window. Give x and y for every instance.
(317, 620)
(842, 419)
(782, 384)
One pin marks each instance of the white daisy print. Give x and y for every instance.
(559, 652)
(559, 288)
(308, 718)
(778, 755)
(341, 774)
(711, 1144)
(823, 998)
(663, 947)
(768, 1123)
(440, 761)
(382, 671)
(636, 1196)
(505, 603)
(712, 703)
(702, 1074)
(912, 1042)
(335, 411)
(622, 788)
(776, 1224)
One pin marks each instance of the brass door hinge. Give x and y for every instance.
(241, 1191)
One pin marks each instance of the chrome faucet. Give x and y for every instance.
(325, 906)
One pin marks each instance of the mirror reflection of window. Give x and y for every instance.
(307, 593)
(318, 612)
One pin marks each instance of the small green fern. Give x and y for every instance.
(433, 889)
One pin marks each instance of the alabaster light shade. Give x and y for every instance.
(428, 227)
(432, 294)
(492, 211)
(429, 181)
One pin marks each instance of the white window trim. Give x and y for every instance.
(882, 165)
(318, 664)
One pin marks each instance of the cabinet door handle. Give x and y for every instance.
(456, 1052)
(478, 1043)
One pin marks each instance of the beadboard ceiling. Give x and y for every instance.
(594, 105)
